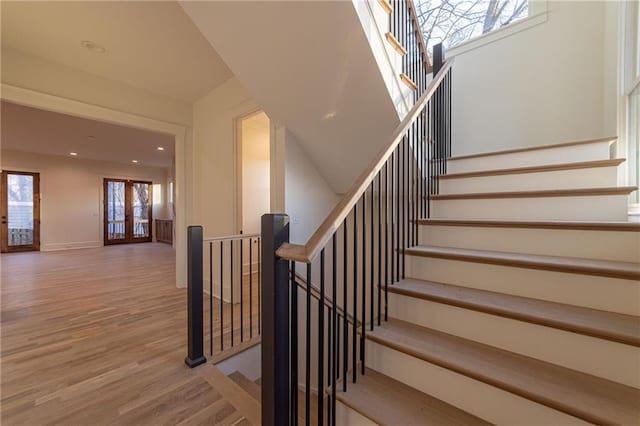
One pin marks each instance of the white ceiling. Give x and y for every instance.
(151, 45)
(44, 132)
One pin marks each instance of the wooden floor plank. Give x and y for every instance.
(98, 336)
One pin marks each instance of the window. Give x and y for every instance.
(455, 21)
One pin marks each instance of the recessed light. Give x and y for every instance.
(73, 154)
(134, 161)
(161, 148)
(92, 46)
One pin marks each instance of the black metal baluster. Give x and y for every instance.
(345, 324)
(231, 270)
(211, 298)
(364, 278)
(392, 185)
(250, 288)
(405, 203)
(386, 237)
(355, 291)
(221, 296)
(371, 265)
(294, 346)
(307, 390)
(379, 246)
(241, 291)
(259, 286)
(334, 344)
(397, 246)
(321, 327)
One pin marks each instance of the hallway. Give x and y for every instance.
(98, 336)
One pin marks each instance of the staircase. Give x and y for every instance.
(520, 313)
(493, 288)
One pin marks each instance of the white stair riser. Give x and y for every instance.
(597, 177)
(607, 294)
(604, 245)
(590, 355)
(540, 157)
(604, 207)
(475, 397)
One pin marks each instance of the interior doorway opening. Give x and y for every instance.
(254, 164)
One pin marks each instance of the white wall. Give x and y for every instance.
(308, 197)
(71, 190)
(215, 157)
(255, 172)
(542, 85)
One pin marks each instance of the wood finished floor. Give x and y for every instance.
(98, 336)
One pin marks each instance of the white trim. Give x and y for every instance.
(500, 33)
(184, 210)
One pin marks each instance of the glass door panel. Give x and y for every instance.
(115, 214)
(141, 192)
(20, 211)
(127, 211)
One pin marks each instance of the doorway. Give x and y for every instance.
(254, 164)
(128, 213)
(20, 211)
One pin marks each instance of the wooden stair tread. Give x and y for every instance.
(536, 169)
(609, 139)
(581, 192)
(540, 224)
(250, 387)
(389, 402)
(606, 325)
(581, 395)
(604, 268)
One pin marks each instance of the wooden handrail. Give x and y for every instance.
(418, 30)
(306, 253)
(231, 237)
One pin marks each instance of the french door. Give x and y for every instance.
(127, 211)
(20, 211)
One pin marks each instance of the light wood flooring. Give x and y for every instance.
(98, 336)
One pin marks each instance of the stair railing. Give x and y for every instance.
(404, 25)
(353, 256)
(224, 289)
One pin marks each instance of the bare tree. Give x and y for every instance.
(455, 21)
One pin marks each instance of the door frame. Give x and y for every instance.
(128, 218)
(237, 152)
(4, 241)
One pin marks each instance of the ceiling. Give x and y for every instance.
(44, 132)
(152, 45)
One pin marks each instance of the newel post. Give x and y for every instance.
(195, 325)
(438, 58)
(275, 322)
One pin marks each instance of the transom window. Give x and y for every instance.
(455, 21)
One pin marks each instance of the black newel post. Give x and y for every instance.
(195, 325)
(438, 58)
(275, 322)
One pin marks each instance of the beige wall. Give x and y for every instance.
(72, 193)
(308, 197)
(30, 72)
(255, 172)
(215, 157)
(542, 85)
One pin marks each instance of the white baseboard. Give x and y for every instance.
(70, 245)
